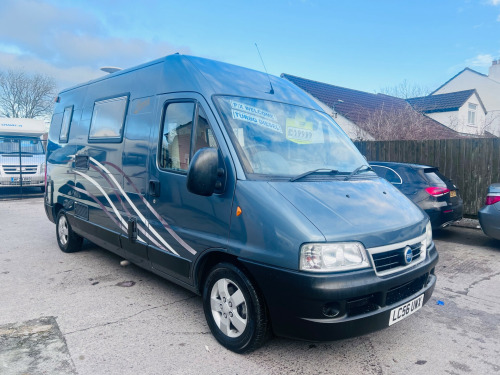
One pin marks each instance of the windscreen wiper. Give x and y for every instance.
(319, 170)
(357, 170)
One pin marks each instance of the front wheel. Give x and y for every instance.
(68, 241)
(234, 309)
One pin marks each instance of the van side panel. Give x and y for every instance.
(135, 159)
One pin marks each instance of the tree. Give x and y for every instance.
(393, 122)
(405, 90)
(26, 95)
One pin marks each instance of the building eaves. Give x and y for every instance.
(441, 103)
(455, 76)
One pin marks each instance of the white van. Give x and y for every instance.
(22, 155)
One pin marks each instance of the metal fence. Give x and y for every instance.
(22, 167)
(472, 164)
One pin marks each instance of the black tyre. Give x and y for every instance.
(68, 241)
(234, 309)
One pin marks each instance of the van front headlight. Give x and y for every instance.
(428, 234)
(333, 257)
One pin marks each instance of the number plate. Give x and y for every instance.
(401, 312)
(17, 179)
(453, 193)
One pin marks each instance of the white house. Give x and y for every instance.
(462, 111)
(487, 88)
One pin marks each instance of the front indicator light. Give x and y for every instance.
(333, 257)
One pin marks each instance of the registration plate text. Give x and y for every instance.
(401, 312)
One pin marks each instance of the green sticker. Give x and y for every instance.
(299, 131)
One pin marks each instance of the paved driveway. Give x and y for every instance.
(85, 314)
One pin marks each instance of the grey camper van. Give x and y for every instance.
(238, 187)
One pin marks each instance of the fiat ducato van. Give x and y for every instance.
(237, 186)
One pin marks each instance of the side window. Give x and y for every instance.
(204, 136)
(380, 171)
(393, 177)
(66, 122)
(108, 118)
(389, 174)
(185, 130)
(176, 136)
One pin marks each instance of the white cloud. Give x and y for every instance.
(66, 77)
(68, 42)
(481, 60)
(494, 2)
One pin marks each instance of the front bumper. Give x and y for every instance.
(301, 305)
(28, 180)
(489, 219)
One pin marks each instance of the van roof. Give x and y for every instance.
(210, 77)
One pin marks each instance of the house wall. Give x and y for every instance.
(458, 120)
(350, 128)
(488, 90)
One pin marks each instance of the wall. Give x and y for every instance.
(488, 90)
(472, 164)
(458, 120)
(350, 128)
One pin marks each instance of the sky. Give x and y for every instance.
(365, 45)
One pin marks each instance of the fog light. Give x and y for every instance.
(331, 309)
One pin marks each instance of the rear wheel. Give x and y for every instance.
(68, 241)
(234, 309)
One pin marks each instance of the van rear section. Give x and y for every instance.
(237, 186)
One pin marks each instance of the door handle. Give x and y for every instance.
(154, 188)
(132, 229)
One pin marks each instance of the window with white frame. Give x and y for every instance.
(471, 118)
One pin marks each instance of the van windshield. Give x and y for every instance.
(28, 146)
(279, 139)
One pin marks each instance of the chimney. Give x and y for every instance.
(494, 72)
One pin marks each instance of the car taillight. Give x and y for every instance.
(437, 191)
(492, 199)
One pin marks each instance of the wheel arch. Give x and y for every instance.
(211, 258)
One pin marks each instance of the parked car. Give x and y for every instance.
(433, 192)
(489, 215)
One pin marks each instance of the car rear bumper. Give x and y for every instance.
(302, 305)
(443, 215)
(489, 219)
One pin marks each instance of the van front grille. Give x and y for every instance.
(14, 169)
(395, 258)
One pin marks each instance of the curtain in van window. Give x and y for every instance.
(176, 136)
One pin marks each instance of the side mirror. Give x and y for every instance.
(202, 172)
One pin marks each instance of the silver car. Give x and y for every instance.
(489, 215)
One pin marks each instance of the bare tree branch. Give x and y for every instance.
(25, 95)
(395, 122)
(405, 90)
